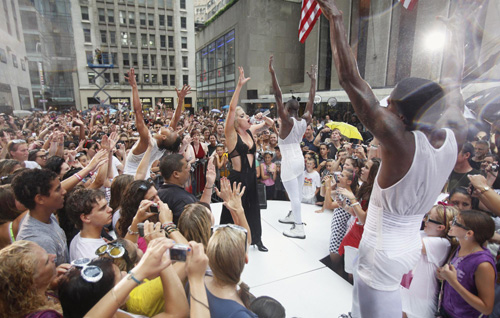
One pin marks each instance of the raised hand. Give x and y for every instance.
(152, 231)
(185, 90)
(131, 78)
(271, 67)
(196, 261)
(313, 74)
(97, 159)
(242, 79)
(211, 174)
(329, 9)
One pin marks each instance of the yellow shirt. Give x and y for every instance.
(147, 299)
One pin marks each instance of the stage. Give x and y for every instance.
(291, 271)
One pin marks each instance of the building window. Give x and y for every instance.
(164, 79)
(152, 41)
(123, 19)
(131, 18)
(163, 61)
(163, 41)
(161, 20)
(151, 19)
(107, 77)
(112, 37)
(85, 13)
(185, 79)
(124, 38)
(132, 40)
(103, 37)
(185, 61)
(182, 4)
(111, 16)
(146, 78)
(102, 15)
(126, 61)
(134, 59)
(116, 78)
(86, 36)
(170, 21)
(154, 78)
(170, 42)
(91, 76)
(172, 80)
(153, 60)
(184, 42)
(151, 4)
(142, 17)
(145, 61)
(142, 2)
(144, 40)
(183, 22)
(171, 61)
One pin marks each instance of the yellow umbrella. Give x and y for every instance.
(345, 129)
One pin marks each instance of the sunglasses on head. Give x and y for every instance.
(18, 141)
(215, 228)
(90, 273)
(114, 250)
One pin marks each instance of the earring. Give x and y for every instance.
(466, 238)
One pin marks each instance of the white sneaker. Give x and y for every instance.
(288, 219)
(296, 231)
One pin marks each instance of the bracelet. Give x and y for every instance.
(132, 277)
(167, 224)
(353, 200)
(357, 203)
(213, 185)
(206, 306)
(78, 176)
(129, 231)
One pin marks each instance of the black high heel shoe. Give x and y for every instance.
(261, 247)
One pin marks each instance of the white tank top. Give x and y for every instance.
(292, 162)
(395, 213)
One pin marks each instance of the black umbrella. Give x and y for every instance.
(486, 104)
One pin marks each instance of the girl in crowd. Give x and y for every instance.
(117, 191)
(11, 214)
(8, 166)
(200, 152)
(241, 148)
(26, 273)
(460, 198)
(58, 165)
(420, 297)
(323, 157)
(268, 174)
(469, 287)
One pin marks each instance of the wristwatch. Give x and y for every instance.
(485, 189)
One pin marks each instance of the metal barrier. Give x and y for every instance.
(198, 179)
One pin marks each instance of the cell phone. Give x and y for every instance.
(179, 252)
(140, 229)
(494, 168)
(336, 175)
(153, 208)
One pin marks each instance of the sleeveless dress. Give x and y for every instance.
(199, 171)
(292, 162)
(248, 178)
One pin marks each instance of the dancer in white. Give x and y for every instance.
(416, 156)
(290, 135)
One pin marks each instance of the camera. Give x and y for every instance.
(153, 208)
(179, 252)
(494, 168)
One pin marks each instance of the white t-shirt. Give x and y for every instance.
(421, 299)
(133, 161)
(84, 247)
(114, 166)
(311, 182)
(32, 165)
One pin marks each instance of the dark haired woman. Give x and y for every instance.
(471, 293)
(241, 148)
(11, 214)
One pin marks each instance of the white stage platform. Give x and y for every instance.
(291, 271)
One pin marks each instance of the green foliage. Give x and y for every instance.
(221, 11)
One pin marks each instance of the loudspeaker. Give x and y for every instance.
(252, 94)
(261, 194)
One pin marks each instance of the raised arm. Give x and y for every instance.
(186, 89)
(313, 74)
(139, 118)
(229, 130)
(385, 125)
(277, 90)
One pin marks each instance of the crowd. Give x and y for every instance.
(108, 214)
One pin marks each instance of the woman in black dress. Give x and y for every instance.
(241, 148)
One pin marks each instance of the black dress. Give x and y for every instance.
(248, 178)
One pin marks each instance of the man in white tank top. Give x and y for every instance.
(417, 156)
(292, 163)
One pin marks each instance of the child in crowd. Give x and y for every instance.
(268, 174)
(312, 183)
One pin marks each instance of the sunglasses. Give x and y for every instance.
(215, 228)
(18, 141)
(114, 250)
(455, 223)
(427, 218)
(90, 273)
(43, 156)
(78, 155)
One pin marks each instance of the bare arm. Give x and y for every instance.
(312, 93)
(277, 90)
(210, 180)
(144, 136)
(229, 130)
(186, 89)
(142, 169)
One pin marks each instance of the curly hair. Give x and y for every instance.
(18, 267)
(195, 223)
(82, 201)
(31, 182)
(134, 194)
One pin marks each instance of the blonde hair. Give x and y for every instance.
(238, 108)
(18, 268)
(226, 253)
(451, 212)
(194, 223)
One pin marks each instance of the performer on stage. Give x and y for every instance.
(241, 148)
(417, 158)
(292, 163)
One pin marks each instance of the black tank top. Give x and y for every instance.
(241, 150)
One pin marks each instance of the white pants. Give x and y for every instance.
(294, 189)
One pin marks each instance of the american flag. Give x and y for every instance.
(309, 14)
(408, 4)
